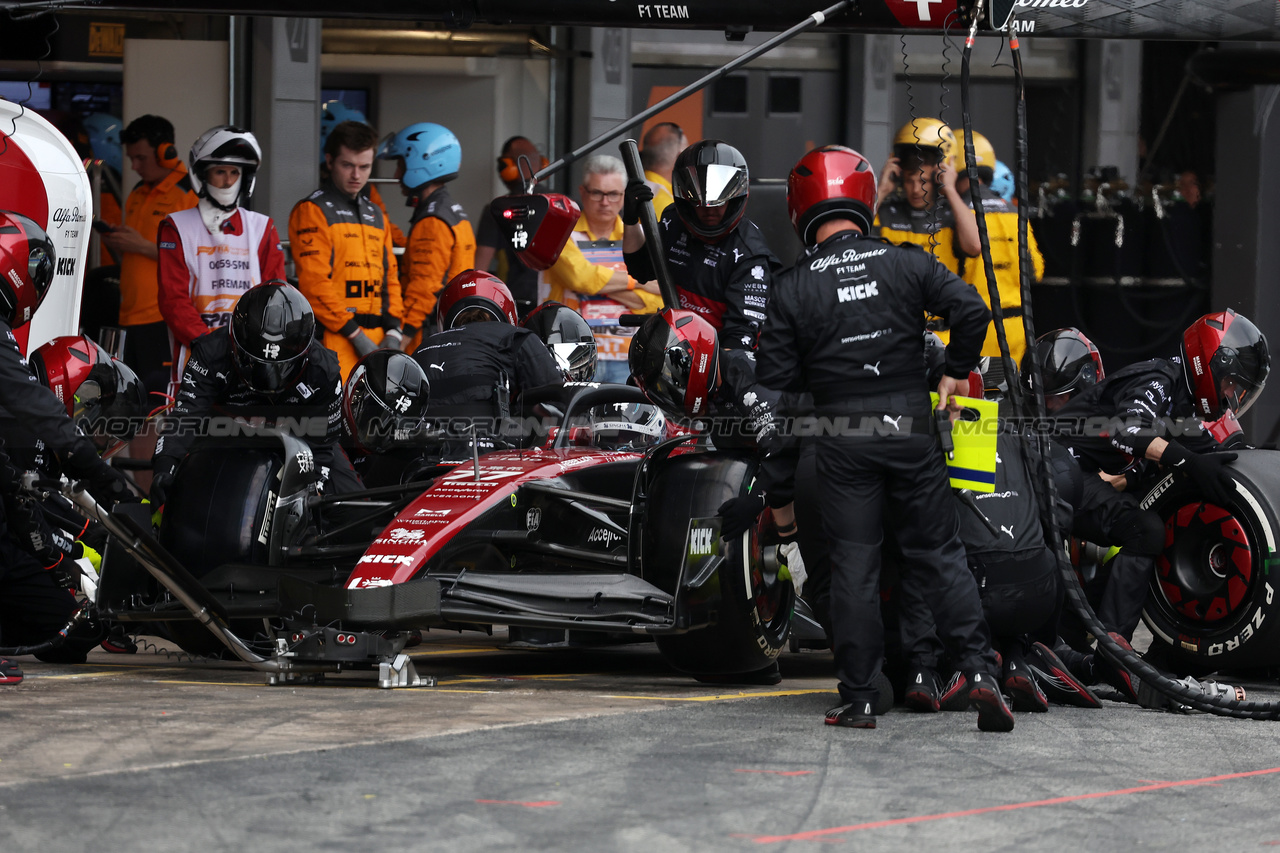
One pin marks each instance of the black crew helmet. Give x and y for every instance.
(569, 338)
(272, 328)
(710, 174)
(384, 403)
(1069, 362)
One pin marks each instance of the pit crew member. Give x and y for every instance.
(926, 211)
(342, 251)
(846, 325)
(719, 260)
(441, 244)
(264, 362)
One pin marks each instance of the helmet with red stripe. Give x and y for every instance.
(1226, 362)
(675, 358)
(831, 182)
(27, 263)
(1069, 363)
(479, 290)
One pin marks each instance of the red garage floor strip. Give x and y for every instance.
(816, 834)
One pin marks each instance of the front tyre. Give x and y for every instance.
(1213, 602)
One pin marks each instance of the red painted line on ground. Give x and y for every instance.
(777, 772)
(1162, 781)
(537, 804)
(819, 834)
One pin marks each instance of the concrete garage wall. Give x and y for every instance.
(466, 106)
(157, 79)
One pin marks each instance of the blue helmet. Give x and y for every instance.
(1002, 181)
(430, 153)
(104, 138)
(332, 114)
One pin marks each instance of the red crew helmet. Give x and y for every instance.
(102, 394)
(675, 359)
(831, 182)
(476, 289)
(1226, 362)
(27, 264)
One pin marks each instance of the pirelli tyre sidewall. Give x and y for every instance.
(1214, 601)
(750, 603)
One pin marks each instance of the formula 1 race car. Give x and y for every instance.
(561, 543)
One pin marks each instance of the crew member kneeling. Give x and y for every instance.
(266, 361)
(846, 324)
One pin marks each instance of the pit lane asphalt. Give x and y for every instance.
(597, 751)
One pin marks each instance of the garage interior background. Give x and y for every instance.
(1128, 262)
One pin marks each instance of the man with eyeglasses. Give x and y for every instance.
(591, 275)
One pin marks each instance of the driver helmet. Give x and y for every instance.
(225, 145)
(626, 426)
(1226, 362)
(272, 328)
(569, 338)
(1069, 363)
(430, 153)
(27, 264)
(710, 175)
(674, 359)
(384, 402)
(475, 289)
(102, 394)
(832, 182)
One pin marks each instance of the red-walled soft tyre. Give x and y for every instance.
(1213, 602)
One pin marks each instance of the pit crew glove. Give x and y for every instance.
(739, 514)
(633, 200)
(84, 552)
(1207, 471)
(162, 480)
(107, 485)
(393, 340)
(362, 342)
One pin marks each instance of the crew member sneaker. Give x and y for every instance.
(1020, 684)
(922, 690)
(1059, 685)
(10, 672)
(119, 643)
(993, 714)
(1117, 676)
(855, 715)
(956, 695)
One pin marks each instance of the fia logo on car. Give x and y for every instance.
(533, 519)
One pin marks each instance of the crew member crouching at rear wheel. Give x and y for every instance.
(846, 324)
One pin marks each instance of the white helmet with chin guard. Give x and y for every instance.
(225, 145)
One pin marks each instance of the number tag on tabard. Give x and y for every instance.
(974, 435)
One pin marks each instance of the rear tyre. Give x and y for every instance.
(751, 604)
(1213, 601)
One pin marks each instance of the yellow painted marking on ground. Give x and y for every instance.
(85, 674)
(724, 696)
(415, 653)
(326, 685)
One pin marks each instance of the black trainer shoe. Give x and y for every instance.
(1079, 664)
(855, 715)
(1054, 677)
(119, 643)
(956, 695)
(993, 714)
(922, 690)
(1020, 683)
(10, 672)
(1117, 676)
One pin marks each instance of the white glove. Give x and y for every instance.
(790, 553)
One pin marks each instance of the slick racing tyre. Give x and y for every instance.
(748, 605)
(216, 514)
(1213, 600)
